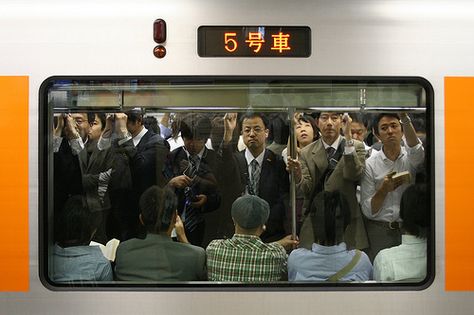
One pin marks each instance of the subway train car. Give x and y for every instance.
(73, 75)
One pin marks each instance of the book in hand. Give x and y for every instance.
(108, 249)
(402, 177)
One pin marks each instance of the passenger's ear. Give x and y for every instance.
(267, 132)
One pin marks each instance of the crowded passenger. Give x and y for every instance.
(79, 162)
(329, 259)
(73, 258)
(245, 257)
(140, 155)
(238, 202)
(191, 171)
(381, 190)
(408, 260)
(69, 135)
(157, 257)
(306, 132)
(257, 170)
(333, 162)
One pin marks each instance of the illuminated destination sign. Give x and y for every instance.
(254, 41)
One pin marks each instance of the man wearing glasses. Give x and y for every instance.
(259, 171)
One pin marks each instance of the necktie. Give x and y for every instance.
(254, 177)
(190, 214)
(194, 160)
(330, 152)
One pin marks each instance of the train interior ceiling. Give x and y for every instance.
(167, 101)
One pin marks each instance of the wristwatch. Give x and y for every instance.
(350, 143)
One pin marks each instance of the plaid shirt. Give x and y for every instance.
(245, 258)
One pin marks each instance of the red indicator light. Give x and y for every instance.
(159, 51)
(159, 31)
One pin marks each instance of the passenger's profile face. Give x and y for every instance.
(390, 130)
(304, 133)
(95, 129)
(254, 134)
(82, 125)
(358, 131)
(329, 125)
(194, 146)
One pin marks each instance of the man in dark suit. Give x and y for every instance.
(139, 154)
(191, 172)
(332, 163)
(258, 170)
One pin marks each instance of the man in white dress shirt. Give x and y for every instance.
(380, 193)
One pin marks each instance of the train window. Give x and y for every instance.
(308, 183)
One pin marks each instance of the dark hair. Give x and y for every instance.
(360, 118)
(157, 206)
(279, 130)
(151, 123)
(217, 131)
(330, 215)
(375, 123)
(250, 115)
(101, 116)
(316, 115)
(310, 120)
(195, 126)
(415, 210)
(74, 223)
(134, 115)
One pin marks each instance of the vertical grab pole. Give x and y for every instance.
(293, 154)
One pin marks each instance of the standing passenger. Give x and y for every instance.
(332, 163)
(257, 170)
(140, 154)
(191, 172)
(380, 193)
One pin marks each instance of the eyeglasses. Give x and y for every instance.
(256, 130)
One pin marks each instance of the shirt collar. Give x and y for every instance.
(403, 151)
(200, 154)
(249, 157)
(412, 239)
(246, 236)
(335, 144)
(327, 250)
(137, 138)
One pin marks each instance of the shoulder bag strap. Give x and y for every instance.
(344, 271)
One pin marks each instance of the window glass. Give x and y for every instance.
(236, 182)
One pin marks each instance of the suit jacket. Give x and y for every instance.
(145, 161)
(67, 175)
(205, 182)
(344, 178)
(92, 162)
(158, 258)
(273, 187)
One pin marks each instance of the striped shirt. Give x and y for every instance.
(245, 258)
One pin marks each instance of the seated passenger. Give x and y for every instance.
(157, 257)
(73, 259)
(329, 259)
(408, 260)
(245, 257)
